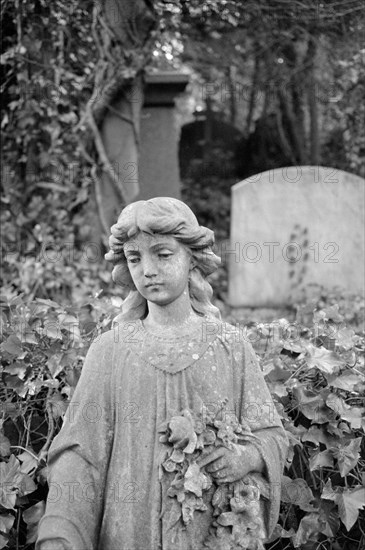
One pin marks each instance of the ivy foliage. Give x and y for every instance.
(314, 368)
(43, 348)
(47, 68)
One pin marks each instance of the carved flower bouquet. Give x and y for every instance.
(238, 523)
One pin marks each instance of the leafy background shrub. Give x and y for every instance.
(314, 366)
(43, 348)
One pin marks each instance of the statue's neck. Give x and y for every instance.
(178, 315)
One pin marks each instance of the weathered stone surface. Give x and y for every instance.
(158, 161)
(291, 227)
(159, 135)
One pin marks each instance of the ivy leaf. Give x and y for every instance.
(294, 347)
(349, 503)
(295, 433)
(195, 481)
(352, 415)
(329, 313)
(345, 338)
(348, 456)
(16, 369)
(296, 491)
(280, 532)
(14, 383)
(27, 336)
(4, 445)
(278, 373)
(328, 492)
(338, 429)
(54, 364)
(325, 360)
(278, 389)
(71, 324)
(50, 330)
(329, 518)
(32, 516)
(47, 303)
(27, 485)
(68, 358)
(321, 459)
(29, 463)
(58, 405)
(12, 345)
(318, 435)
(6, 523)
(11, 478)
(3, 323)
(312, 405)
(309, 526)
(345, 382)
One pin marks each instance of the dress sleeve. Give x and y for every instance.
(79, 456)
(257, 409)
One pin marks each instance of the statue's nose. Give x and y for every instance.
(149, 267)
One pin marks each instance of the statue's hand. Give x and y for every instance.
(229, 465)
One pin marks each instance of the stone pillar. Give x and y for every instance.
(155, 172)
(159, 136)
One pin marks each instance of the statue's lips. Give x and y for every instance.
(149, 285)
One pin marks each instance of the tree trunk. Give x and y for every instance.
(296, 111)
(313, 104)
(124, 36)
(294, 133)
(231, 75)
(208, 130)
(252, 100)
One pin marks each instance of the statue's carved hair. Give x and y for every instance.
(163, 216)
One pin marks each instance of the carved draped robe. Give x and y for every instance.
(105, 492)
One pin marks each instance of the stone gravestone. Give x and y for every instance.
(291, 227)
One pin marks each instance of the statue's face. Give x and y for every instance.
(159, 266)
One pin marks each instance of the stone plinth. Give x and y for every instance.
(146, 165)
(159, 135)
(291, 227)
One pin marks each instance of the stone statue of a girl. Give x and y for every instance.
(117, 480)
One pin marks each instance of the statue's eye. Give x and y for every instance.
(133, 259)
